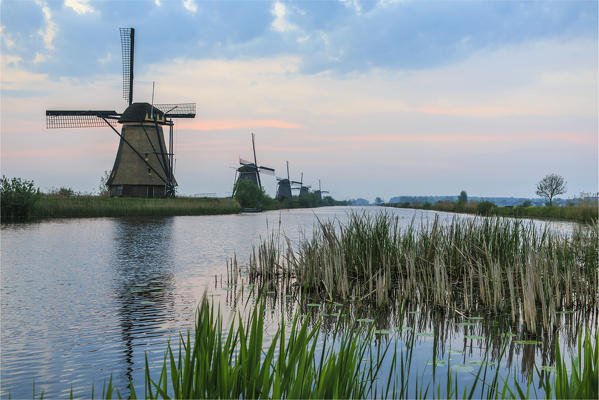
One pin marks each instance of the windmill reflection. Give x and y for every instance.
(143, 286)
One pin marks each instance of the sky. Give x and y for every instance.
(374, 98)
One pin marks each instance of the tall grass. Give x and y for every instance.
(97, 206)
(483, 265)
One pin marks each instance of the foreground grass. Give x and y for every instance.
(487, 265)
(97, 206)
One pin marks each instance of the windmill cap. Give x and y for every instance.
(141, 112)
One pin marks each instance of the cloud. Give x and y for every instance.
(6, 37)
(190, 5)
(280, 23)
(50, 32)
(220, 125)
(157, 2)
(39, 58)
(81, 7)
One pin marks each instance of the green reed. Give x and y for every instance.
(97, 206)
(488, 265)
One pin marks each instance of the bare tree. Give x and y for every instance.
(550, 186)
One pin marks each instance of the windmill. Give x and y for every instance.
(250, 170)
(143, 166)
(284, 186)
(303, 190)
(320, 192)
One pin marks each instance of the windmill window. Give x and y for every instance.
(149, 171)
(146, 156)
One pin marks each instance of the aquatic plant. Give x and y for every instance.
(488, 264)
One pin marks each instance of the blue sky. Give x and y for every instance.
(377, 98)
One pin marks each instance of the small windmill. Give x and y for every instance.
(303, 190)
(284, 186)
(250, 170)
(320, 192)
(143, 167)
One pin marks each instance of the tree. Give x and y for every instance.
(551, 186)
(248, 194)
(378, 200)
(17, 197)
(103, 187)
(463, 197)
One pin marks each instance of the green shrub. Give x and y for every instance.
(484, 207)
(17, 197)
(249, 194)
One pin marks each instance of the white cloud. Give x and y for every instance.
(190, 5)
(39, 58)
(50, 32)
(105, 59)
(6, 37)
(79, 6)
(353, 4)
(157, 2)
(280, 23)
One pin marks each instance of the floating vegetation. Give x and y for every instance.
(438, 363)
(456, 352)
(527, 342)
(481, 265)
(467, 324)
(462, 368)
(474, 337)
(425, 334)
(548, 368)
(507, 334)
(382, 331)
(365, 320)
(313, 305)
(483, 363)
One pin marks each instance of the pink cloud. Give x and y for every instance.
(226, 124)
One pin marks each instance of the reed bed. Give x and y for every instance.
(97, 206)
(485, 265)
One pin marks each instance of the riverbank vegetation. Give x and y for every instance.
(583, 211)
(56, 206)
(489, 265)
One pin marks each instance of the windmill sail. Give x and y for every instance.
(79, 118)
(127, 48)
(183, 110)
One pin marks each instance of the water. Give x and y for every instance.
(85, 298)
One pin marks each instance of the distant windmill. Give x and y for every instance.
(320, 192)
(284, 186)
(250, 170)
(143, 166)
(303, 190)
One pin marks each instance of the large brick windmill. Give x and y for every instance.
(143, 166)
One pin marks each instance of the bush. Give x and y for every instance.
(484, 207)
(248, 194)
(17, 197)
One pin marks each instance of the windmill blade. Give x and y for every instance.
(79, 118)
(127, 48)
(181, 110)
(296, 182)
(267, 170)
(245, 162)
(324, 191)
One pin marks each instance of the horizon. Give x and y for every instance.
(375, 98)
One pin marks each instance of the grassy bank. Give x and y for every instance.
(97, 206)
(585, 212)
(496, 266)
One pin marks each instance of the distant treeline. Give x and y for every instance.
(499, 201)
(585, 211)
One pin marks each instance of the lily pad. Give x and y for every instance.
(227, 288)
(313, 305)
(214, 294)
(456, 352)
(271, 292)
(527, 342)
(337, 315)
(482, 363)
(413, 312)
(474, 337)
(467, 324)
(270, 310)
(475, 318)
(508, 334)
(425, 334)
(365, 320)
(406, 328)
(438, 363)
(565, 312)
(382, 331)
(462, 368)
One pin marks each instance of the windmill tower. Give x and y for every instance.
(303, 190)
(250, 170)
(320, 192)
(144, 166)
(284, 186)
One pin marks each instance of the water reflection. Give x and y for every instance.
(142, 262)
